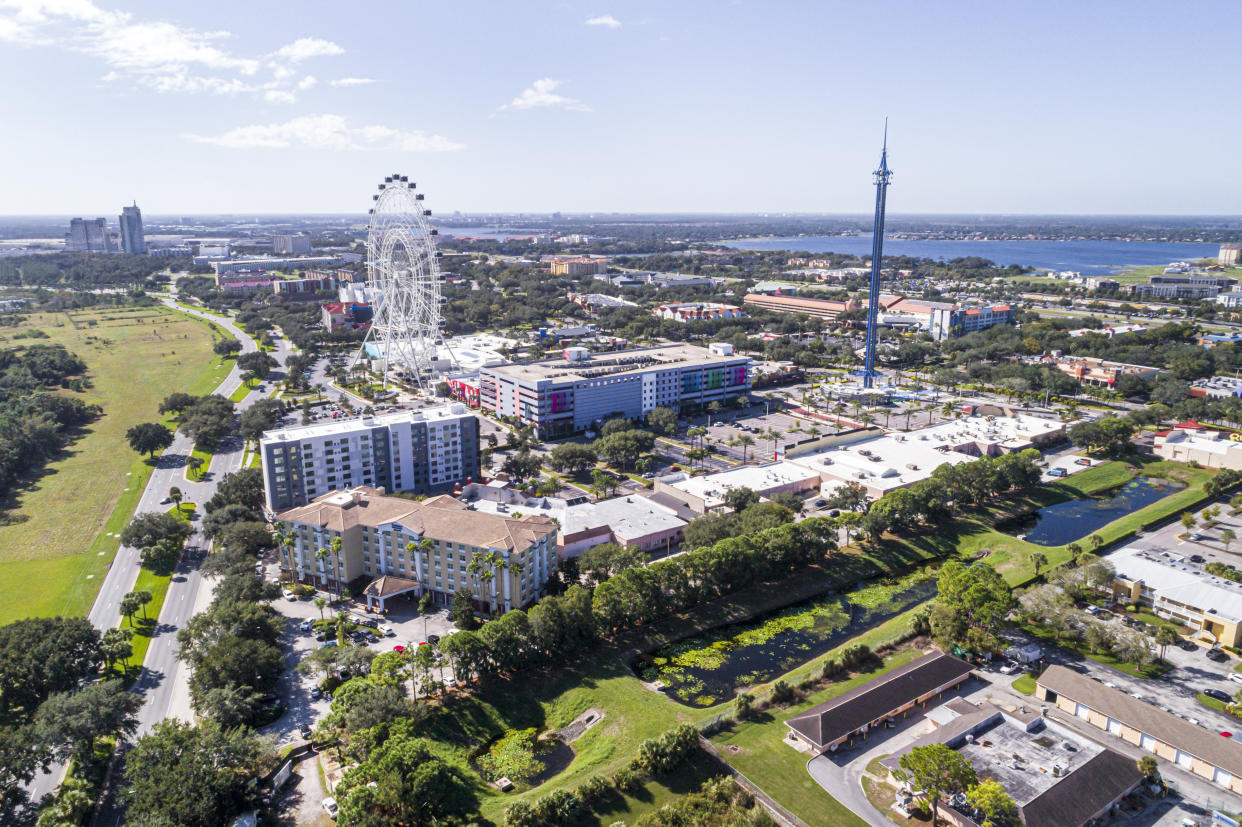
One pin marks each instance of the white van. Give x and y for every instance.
(387, 631)
(1236, 677)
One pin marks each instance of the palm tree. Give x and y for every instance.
(946, 410)
(774, 435)
(336, 558)
(1096, 541)
(910, 411)
(176, 496)
(1040, 560)
(319, 604)
(195, 463)
(744, 441)
(696, 434)
(321, 555)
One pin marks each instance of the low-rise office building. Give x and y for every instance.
(697, 311)
(1193, 748)
(512, 557)
(1191, 442)
(707, 492)
(1182, 592)
(578, 266)
(1056, 777)
(1088, 370)
(884, 463)
(422, 452)
(1216, 387)
(855, 713)
(581, 390)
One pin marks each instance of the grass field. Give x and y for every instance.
(243, 390)
(205, 456)
(135, 357)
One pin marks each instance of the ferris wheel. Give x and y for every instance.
(403, 269)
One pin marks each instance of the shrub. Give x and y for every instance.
(626, 780)
(592, 791)
(744, 704)
(783, 693)
(832, 669)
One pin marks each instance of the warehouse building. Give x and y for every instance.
(1191, 747)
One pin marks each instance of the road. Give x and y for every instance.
(163, 681)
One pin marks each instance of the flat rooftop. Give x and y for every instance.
(343, 425)
(613, 364)
(712, 488)
(1185, 583)
(995, 751)
(901, 459)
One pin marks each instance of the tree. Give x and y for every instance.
(404, 781)
(176, 496)
(263, 415)
(1188, 520)
(939, 771)
(1039, 560)
(521, 466)
(602, 482)
(1165, 637)
(175, 403)
(743, 441)
(1227, 537)
(607, 559)
(621, 449)
(320, 602)
(195, 464)
(116, 647)
(218, 764)
(572, 457)
(209, 419)
(148, 438)
(226, 347)
(662, 420)
(461, 612)
(1148, 767)
(129, 607)
(990, 798)
(71, 722)
(257, 364)
(139, 599)
(426, 603)
(42, 656)
(971, 603)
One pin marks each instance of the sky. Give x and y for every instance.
(755, 106)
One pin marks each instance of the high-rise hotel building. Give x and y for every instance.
(422, 452)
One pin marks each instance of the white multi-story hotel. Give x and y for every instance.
(423, 452)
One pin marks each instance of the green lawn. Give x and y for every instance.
(133, 360)
(243, 390)
(203, 454)
(1024, 684)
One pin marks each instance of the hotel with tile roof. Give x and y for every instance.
(513, 557)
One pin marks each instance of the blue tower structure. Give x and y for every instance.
(882, 177)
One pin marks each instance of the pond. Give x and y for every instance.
(1056, 525)
(707, 669)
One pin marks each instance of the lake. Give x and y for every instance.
(1088, 257)
(1056, 525)
(708, 669)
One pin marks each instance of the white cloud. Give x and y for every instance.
(308, 47)
(351, 82)
(279, 96)
(604, 20)
(543, 93)
(158, 54)
(307, 82)
(328, 132)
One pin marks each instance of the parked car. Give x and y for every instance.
(306, 625)
(1196, 558)
(1186, 645)
(1009, 668)
(290, 594)
(316, 693)
(1216, 655)
(330, 807)
(1217, 694)
(326, 644)
(434, 640)
(306, 732)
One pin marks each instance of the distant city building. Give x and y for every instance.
(697, 311)
(1231, 298)
(1191, 442)
(823, 308)
(132, 239)
(1183, 287)
(421, 452)
(310, 284)
(706, 493)
(1229, 255)
(1216, 387)
(1101, 283)
(941, 319)
(89, 236)
(376, 532)
(580, 390)
(170, 252)
(595, 302)
(1088, 370)
(288, 245)
(578, 266)
(264, 265)
(1108, 331)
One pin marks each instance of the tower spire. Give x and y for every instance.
(882, 178)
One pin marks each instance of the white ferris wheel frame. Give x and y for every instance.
(402, 264)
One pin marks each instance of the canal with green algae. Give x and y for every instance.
(707, 669)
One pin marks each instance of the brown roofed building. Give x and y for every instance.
(1192, 748)
(830, 724)
(513, 557)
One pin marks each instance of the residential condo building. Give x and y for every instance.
(132, 239)
(421, 452)
(505, 561)
(582, 390)
(89, 236)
